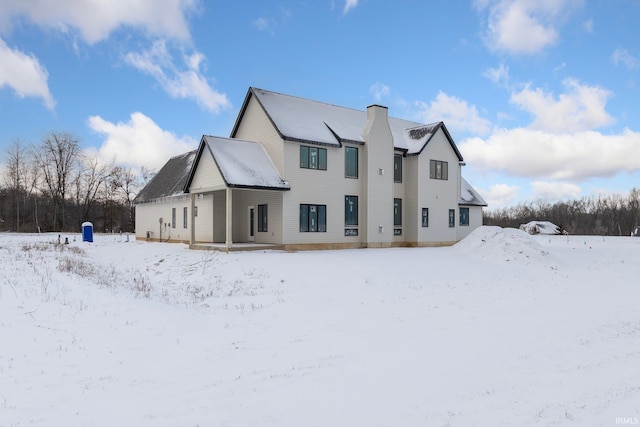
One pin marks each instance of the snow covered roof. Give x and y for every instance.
(542, 227)
(244, 164)
(170, 179)
(469, 196)
(314, 122)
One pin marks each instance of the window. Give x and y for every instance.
(397, 212)
(350, 162)
(351, 215)
(438, 170)
(452, 218)
(397, 216)
(464, 216)
(184, 217)
(173, 217)
(262, 218)
(313, 158)
(313, 218)
(397, 168)
(425, 217)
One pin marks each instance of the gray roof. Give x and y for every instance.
(170, 179)
(469, 196)
(242, 164)
(314, 122)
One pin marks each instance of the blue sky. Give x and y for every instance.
(541, 96)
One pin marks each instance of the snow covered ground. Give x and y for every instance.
(502, 329)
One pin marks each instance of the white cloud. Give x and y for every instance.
(581, 108)
(553, 191)
(500, 195)
(534, 153)
(622, 56)
(24, 74)
(456, 113)
(183, 83)
(96, 20)
(350, 4)
(379, 91)
(524, 26)
(498, 75)
(139, 142)
(588, 26)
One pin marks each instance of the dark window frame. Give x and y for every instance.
(425, 217)
(184, 217)
(350, 218)
(351, 170)
(263, 218)
(173, 217)
(313, 158)
(438, 169)
(464, 218)
(309, 212)
(397, 168)
(397, 212)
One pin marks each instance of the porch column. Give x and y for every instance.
(229, 225)
(192, 235)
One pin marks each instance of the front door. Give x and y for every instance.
(251, 223)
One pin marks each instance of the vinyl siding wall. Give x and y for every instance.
(148, 215)
(207, 177)
(439, 195)
(256, 126)
(320, 187)
(204, 220)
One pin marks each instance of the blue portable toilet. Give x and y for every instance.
(87, 232)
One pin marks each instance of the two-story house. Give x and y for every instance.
(303, 174)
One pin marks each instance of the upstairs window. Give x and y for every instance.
(313, 158)
(397, 168)
(350, 162)
(438, 170)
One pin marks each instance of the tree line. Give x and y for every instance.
(55, 186)
(612, 215)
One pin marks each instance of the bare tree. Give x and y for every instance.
(89, 178)
(127, 185)
(16, 177)
(56, 157)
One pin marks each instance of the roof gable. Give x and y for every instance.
(469, 196)
(242, 164)
(304, 120)
(170, 179)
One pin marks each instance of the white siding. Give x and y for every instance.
(439, 195)
(320, 187)
(148, 215)
(207, 177)
(204, 220)
(242, 199)
(256, 126)
(411, 207)
(475, 221)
